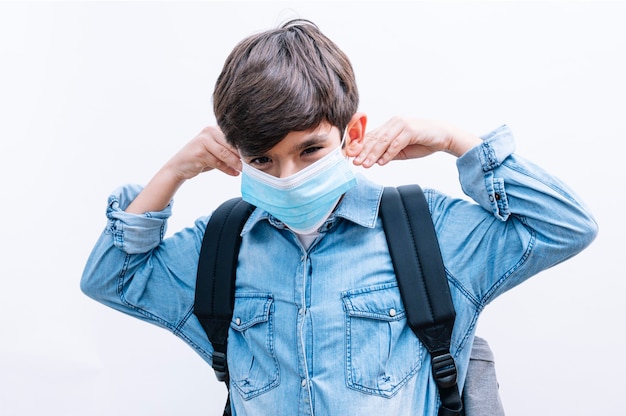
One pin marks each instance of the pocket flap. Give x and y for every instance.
(382, 302)
(251, 309)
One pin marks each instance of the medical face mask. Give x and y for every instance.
(304, 200)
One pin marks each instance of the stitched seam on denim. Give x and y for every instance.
(116, 229)
(178, 331)
(478, 307)
(502, 203)
(451, 279)
(490, 161)
(478, 304)
(373, 214)
(272, 381)
(350, 344)
(533, 237)
(463, 290)
(466, 336)
(352, 384)
(120, 292)
(178, 328)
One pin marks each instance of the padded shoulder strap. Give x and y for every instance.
(423, 284)
(215, 282)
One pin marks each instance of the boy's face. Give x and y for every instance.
(296, 151)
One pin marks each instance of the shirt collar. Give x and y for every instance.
(358, 205)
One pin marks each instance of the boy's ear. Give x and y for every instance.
(355, 134)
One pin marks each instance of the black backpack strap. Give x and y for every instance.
(423, 284)
(215, 282)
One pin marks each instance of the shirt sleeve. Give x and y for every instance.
(133, 269)
(480, 184)
(523, 221)
(134, 233)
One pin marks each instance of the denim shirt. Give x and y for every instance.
(322, 330)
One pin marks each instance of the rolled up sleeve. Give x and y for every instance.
(134, 233)
(481, 184)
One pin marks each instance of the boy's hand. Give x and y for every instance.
(404, 138)
(208, 150)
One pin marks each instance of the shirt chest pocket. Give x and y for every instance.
(382, 352)
(251, 360)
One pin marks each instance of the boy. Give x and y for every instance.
(318, 324)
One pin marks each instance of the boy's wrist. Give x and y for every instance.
(461, 141)
(158, 193)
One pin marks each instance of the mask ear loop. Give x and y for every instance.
(343, 143)
(343, 138)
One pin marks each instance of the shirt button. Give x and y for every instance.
(392, 312)
(238, 321)
(303, 382)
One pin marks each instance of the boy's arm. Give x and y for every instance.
(133, 269)
(208, 150)
(535, 220)
(529, 220)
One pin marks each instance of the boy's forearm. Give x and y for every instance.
(157, 194)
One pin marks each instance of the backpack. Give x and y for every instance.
(417, 263)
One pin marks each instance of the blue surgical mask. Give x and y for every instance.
(304, 200)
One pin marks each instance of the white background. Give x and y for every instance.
(94, 95)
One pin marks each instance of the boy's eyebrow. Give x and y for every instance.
(310, 141)
(315, 139)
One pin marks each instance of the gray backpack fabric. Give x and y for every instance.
(481, 396)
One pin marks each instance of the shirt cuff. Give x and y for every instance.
(476, 171)
(134, 233)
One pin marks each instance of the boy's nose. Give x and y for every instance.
(287, 169)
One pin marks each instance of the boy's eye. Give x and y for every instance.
(310, 150)
(260, 160)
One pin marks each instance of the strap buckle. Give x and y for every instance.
(220, 366)
(444, 370)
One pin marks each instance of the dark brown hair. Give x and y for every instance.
(287, 79)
